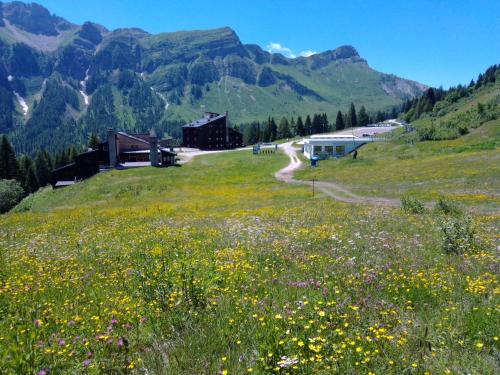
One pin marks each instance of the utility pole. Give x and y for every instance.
(313, 187)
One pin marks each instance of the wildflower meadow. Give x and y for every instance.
(217, 268)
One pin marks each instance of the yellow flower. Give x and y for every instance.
(479, 345)
(321, 313)
(300, 343)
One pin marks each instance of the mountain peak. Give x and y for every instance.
(342, 52)
(34, 18)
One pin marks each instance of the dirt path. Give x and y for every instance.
(330, 189)
(187, 154)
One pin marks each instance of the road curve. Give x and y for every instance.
(330, 189)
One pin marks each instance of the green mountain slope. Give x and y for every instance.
(185, 72)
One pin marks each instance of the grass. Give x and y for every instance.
(216, 268)
(466, 169)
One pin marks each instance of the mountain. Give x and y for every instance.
(62, 81)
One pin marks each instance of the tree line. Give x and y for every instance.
(270, 130)
(22, 175)
(413, 109)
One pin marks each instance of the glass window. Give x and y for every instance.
(329, 150)
(317, 149)
(340, 150)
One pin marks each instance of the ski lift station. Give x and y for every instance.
(326, 146)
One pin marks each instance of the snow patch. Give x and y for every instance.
(22, 103)
(85, 97)
(83, 85)
(162, 98)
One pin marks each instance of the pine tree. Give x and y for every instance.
(31, 181)
(301, 130)
(253, 133)
(8, 163)
(49, 159)
(266, 133)
(293, 127)
(42, 170)
(363, 118)
(317, 124)
(339, 122)
(352, 118)
(273, 130)
(308, 125)
(284, 129)
(72, 154)
(94, 141)
(326, 125)
(24, 165)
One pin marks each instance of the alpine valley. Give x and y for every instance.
(64, 81)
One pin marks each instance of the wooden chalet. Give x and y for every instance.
(121, 150)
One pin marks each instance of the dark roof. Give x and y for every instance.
(203, 121)
(160, 149)
(134, 137)
(67, 166)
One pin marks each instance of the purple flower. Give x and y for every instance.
(89, 355)
(113, 321)
(42, 372)
(86, 363)
(71, 323)
(128, 326)
(120, 342)
(143, 319)
(61, 342)
(110, 341)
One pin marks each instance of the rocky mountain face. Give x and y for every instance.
(61, 81)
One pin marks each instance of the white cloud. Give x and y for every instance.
(308, 53)
(285, 51)
(278, 48)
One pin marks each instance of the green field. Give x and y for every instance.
(215, 268)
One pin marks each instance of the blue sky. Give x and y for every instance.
(440, 42)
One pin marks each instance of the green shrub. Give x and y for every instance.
(11, 192)
(447, 207)
(412, 205)
(459, 235)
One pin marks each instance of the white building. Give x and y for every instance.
(327, 146)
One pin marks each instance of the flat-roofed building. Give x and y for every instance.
(211, 133)
(327, 146)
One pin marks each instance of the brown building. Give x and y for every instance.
(137, 148)
(121, 150)
(211, 133)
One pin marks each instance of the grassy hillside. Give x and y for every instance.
(338, 85)
(466, 169)
(217, 268)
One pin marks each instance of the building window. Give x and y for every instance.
(329, 150)
(317, 149)
(339, 150)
